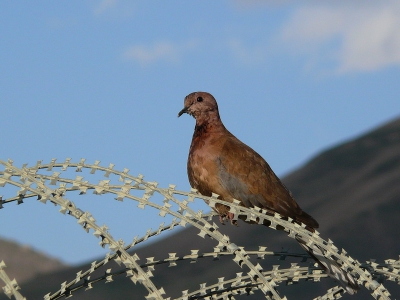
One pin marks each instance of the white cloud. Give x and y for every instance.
(257, 4)
(160, 51)
(363, 37)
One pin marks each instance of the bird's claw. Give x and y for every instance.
(228, 216)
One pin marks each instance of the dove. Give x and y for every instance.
(220, 163)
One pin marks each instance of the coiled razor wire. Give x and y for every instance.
(31, 183)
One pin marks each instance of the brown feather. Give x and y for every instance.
(220, 163)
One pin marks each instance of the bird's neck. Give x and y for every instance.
(205, 133)
(208, 123)
(208, 119)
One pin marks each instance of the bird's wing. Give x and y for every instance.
(247, 177)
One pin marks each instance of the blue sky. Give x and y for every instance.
(105, 79)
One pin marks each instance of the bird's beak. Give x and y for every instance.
(183, 111)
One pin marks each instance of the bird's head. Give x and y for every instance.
(200, 105)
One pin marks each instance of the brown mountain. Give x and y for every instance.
(353, 190)
(25, 263)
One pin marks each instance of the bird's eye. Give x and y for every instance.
(199, 99)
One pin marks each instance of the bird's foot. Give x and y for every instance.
(228, 216)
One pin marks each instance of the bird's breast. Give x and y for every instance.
(202, 164)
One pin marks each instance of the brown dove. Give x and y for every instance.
(220, 163)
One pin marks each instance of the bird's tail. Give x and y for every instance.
(331, 267)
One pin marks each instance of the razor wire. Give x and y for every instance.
(11, 286)
(32, 183)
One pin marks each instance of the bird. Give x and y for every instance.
(219, 163)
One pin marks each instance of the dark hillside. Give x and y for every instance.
(353, 190)
(24, 263)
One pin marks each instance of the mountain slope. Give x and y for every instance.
(352, 190)
(24, 263)
(355, 186)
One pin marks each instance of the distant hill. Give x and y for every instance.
(25, 263)
(355, 187)
(353, 190)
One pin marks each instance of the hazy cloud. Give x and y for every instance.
(245, 54)
(104, 6)
(255, 4)
(353, 37)
(114, 9)
(160, 51)
(347, 36)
